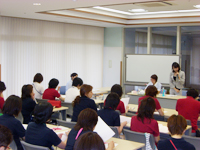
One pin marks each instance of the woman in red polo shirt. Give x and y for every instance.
(2, 88)
(152, 91)
(144, 121)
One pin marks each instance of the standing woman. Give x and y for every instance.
(28, 102)
(83, 101)
(177, 79)
(38, 89)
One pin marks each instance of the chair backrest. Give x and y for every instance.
(62, 90)
(20, 117)
(28, 146)
(159, 118)
(188, 122)
(116, 132)
(41, 100)
(184, 92)
(118, 112)
(13, 146)
(66, 124)
(69, 111)
(129, 114)
(193, 140)
(138, 137)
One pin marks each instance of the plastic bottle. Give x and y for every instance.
(163, 91)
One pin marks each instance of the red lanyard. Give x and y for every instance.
(173, 145)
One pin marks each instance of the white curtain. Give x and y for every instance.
(54, 49)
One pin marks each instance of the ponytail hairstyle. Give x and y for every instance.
(85, 89)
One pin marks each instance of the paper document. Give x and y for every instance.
(157, 113)
(58, 128)
(124, 118)
(106, 145)
(64, 136)
(126, 101)
(25, 126)
(163, 129)
(103, 130)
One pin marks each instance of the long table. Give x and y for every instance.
(62, 110)
(167, 101)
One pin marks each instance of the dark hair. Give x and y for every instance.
(74, 74)
(155, 77)
(2, 86)
(5, 136)
(176, 124)
(146, 109)
(12, 105)
(176, 65)
(151, 90)
(85, 89)
(77, 81)
(53, 83)
(112, 101)
(42, 112)
(89, 141)
(38, 78)
(117, 89)
(87, 119)
(193, 93)
(26, 91)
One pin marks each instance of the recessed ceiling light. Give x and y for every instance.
(137, 10)
(112, 10)
(197, 6)
(36, 4)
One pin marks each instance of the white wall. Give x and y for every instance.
(53, 49)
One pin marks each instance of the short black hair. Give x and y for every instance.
(53, 83)
(112, 101)
(117, 89)
(2, 86)
(26, 91)
(74, 74)
(42, 112)
(5, 136)
(38, 78)
(12, 105)
(176, 65)
(77, 81)
(193, 93)
(155, 77)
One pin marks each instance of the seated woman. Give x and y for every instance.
(11, 109)
(91, 141)
(176, 125)
(154, 79)
(2, 88)
(144, 121)
(28, 102)
(38, 133)
(83, 101)
(38, 89)
(51, 93)
(87, 121)
(109, 115)
(6, 137)
(152, 92)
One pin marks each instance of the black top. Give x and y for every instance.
(39, 134)
(28, 105)
(109, 116)
(71, 138)
(16, 128)
(84, 103)
(180, 144)
(174, 78)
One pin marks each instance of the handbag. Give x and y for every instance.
(55, 103)
(197, 133)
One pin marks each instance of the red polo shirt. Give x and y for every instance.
(155, 99)
(149, 126)
(1, 102)
(120, 107)
(190, 109)
(50, 94)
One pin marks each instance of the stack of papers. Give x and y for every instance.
(126, 101)
(106, 145)
(163, 129)
(124, 118)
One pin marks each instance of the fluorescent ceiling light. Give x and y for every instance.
(37, 4)
(137, 10)
(113, 10)
(197, 6)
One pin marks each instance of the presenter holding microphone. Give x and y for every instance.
(177, 79)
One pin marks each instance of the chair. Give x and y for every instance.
(66, 124)
(138, 137)
(118, 112)
(28, 146)
(116, 132)
(128, 114)
(41, 100)
(13, 146)
(70, 107)
(20, 118)
(184, 93)
(62, 90)
(193, 140)
(159, 118)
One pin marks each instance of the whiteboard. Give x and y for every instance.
(139, 68)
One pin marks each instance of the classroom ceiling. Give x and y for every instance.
(100, 12)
